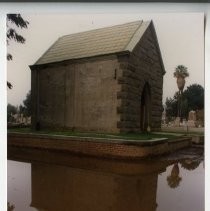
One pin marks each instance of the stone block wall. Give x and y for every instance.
(100, 94)
(141, 66)
(79, 95)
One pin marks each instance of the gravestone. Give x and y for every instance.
(200, 118)
(191, 119)
(177, 122)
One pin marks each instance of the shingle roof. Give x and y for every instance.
(95, 42)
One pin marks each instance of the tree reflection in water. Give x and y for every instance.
(190, 164)
(10, 207)
(174, 179)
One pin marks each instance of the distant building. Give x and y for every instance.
(107, 80)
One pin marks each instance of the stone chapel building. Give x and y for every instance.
(104, 80)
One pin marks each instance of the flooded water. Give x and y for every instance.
(55, 182)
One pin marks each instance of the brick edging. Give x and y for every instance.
(94, 148)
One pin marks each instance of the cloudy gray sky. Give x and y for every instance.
(180, 36)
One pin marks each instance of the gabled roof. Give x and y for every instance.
(96, 42)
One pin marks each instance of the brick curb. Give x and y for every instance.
(99, 147)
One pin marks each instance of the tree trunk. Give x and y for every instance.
(180, 83)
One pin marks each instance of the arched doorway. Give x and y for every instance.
(145, 123)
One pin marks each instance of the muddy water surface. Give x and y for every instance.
(174, 183)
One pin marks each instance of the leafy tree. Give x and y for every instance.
(26, 108)
(11, 110)
(14, 21)
(22, 110)
(191, 99)
(195, 97)
(171, 107)
(27, 104)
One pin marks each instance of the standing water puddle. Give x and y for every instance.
(89, 184)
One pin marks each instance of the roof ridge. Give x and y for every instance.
(137, 35)
(133, 35)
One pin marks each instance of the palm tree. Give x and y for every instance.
(180, 74)
(174, 179)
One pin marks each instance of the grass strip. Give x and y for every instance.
(126, 136)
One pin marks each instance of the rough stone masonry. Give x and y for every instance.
(103, 80)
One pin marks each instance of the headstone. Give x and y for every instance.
(192, 115)
(200, 118)
(191, 119)
(164, 117)
(177, 122)
(29, 120)
(184, 122)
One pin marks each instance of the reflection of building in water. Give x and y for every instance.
(62, 188)
(70, 182)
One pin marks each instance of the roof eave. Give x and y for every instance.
(38, 66)
(158, 47)
(137, 35)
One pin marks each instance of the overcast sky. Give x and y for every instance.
(180, 36)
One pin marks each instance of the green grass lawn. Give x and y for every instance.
(127, 136)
